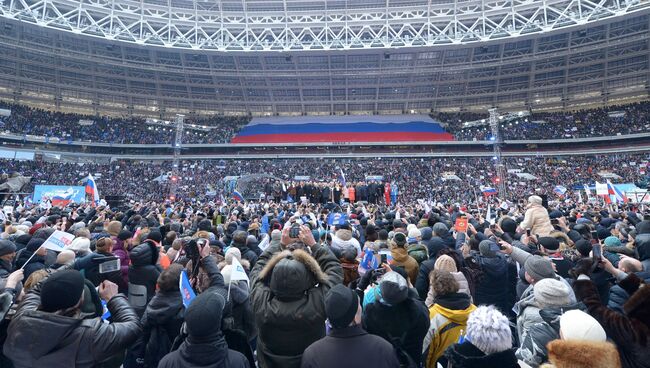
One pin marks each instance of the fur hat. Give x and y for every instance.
(489, 330)
(583, 354)
(289, 274)
(638, 306)
(578, 325)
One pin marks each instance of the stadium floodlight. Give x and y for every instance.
(280, 25)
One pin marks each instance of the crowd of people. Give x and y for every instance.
(610, 121)
(276, 284)
(597, 122)
(26, 120)
(437, 179)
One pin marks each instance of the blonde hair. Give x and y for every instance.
(35, 278)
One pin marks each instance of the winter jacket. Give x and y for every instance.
(404, 325)
(466, 355)
(436, 243)
(537, 220)
(418, 251)
(211, 353)
(532, 348)
(248, 254)
(401, 258)
(422, 281)
(161, 324)
(630, 335)
(41, 339)
(642, 246)
(243, 318)
(618, 296)
(143, 275)
(448, 318)
(358, 347)
(492, 287)
(291, 316)
(92, 272)
(463, 288)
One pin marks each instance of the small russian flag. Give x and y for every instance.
(91, 189)
(237, 196)
(618, 195)
(560, 190)
(488, 191)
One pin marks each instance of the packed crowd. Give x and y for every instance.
(26, 120)
(610, 121)
(600, 122)
(438, 180)
(275, 284)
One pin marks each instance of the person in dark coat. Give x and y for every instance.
(642, 243)
(617, 295)
(629, 331)
(239, 240)
(422, 282)
(441, 239)
(37, 262)
(48, 330)
(7, 254)
(288, 293)
(347, 338)
(103, 248)
(394, 311)
(492, 286)
(162, 320)
(205, 345)
(143, 274)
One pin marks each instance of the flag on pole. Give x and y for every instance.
(342, 177)
(237, 196)
(588, 192)
(237, 273)
(91, 189)
(560, 190)
(618, 195)
(488, 191)
(579, 196)
(187, 293)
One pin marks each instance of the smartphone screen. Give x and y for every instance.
(598, 251)
(383, 258)
(110, 266)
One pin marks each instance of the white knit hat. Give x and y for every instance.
(578, 325)
(79, 245)
(489, 330)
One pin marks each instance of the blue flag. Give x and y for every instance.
(335, 219)
(187, 293)
(106, 313)
(265, 224)
(369, 261)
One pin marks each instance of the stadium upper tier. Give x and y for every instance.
(25, 123)
(603, 60)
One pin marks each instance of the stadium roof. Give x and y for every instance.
(601, 61)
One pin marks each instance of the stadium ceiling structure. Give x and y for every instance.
(595, 53)
(299, 25)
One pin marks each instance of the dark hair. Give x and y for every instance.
(168, 279)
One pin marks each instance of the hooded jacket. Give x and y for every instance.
(161, 323)
(492, 287)
(642, 242)
(210, 353)
(404, 323)
(41, 339)
(537, 220)
(448, 317)
(143, 271)
(532, 348)
(402, 258)
(288, 299)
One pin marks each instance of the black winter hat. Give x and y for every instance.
(549, 243)
(124, 235)
(643, 227)
(341, 305)
(203, 316)
(62, 290)
(6, 247)
(205, 225)
(584, 247)
(34, 244)
(23, 239)
(155, 236)
(508, 225)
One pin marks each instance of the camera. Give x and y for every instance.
(294, 232)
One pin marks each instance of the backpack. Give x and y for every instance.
(405, 360)
(419, 252)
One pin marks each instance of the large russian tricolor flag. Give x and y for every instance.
(348, 128)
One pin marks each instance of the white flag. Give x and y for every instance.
(237, 273)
